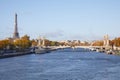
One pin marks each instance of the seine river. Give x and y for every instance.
(67, 64)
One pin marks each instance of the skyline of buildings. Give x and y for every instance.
(17, 36)
(105, 41)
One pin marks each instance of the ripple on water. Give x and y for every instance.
(61, 65)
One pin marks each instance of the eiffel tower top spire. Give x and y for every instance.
(15, 34)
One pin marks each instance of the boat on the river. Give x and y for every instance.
(110, 52)
(40, 50)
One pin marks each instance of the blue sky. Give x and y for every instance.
(61, 19)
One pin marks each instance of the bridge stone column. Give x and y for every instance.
(43, 41)
(39, 41)
(106, 40)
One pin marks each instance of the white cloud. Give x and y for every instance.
(84, 37)
(54, 35)
(61, 35)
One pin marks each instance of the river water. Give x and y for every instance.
(65, 64)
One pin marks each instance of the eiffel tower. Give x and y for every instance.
(15, 34)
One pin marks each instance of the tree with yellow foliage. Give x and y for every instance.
(34, 43)
(23, 43)
(4, 44)
(116, 42)
(98, 43)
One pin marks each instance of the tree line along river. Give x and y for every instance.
(64, 64)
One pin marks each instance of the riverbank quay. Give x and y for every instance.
(13, 54)
(115, 52)
(44, 49)
(107, 51)
(102, 49)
